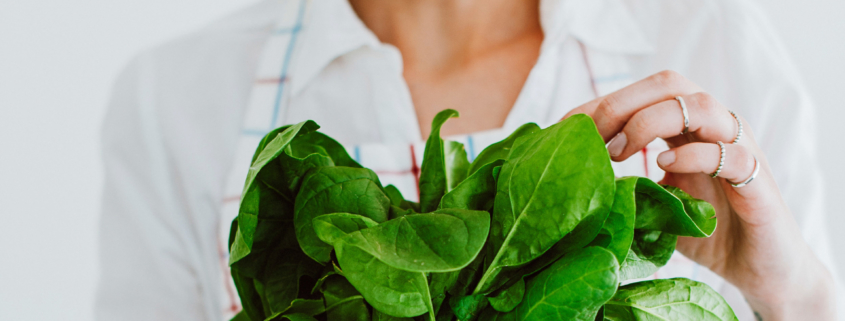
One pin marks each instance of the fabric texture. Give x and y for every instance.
(185, 118)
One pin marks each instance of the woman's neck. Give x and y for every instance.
(440, 35)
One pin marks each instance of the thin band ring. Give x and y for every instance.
(738, 127)
(685, 112)
(750, 178)
(721, 160)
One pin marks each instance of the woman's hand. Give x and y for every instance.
(757, 245)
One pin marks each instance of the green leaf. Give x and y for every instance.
(390, 290)
(331, 148)
(553, 179)
(457, 164)
(649, 251)
(671, 210)
(439, 285)
(573, 288)
(394, 195)
(281, 277)
(433, 182)
(266, 195)
(328, 190)
(509, 298)
(476, 192)
(469, 307)
(332, 228)
(300, 306)
(501, 149)
(671, 299)
(343, 302)
(618, 230)
(250, 300)
(467, 277)
(441, 241)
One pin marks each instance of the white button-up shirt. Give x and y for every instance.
(185, 118)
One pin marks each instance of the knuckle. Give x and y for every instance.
(668, 78)
(609, 107)
(704, 101)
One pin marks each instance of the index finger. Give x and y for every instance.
(613, 111)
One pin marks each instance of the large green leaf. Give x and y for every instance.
(573, 288)
(343, 302)
(280, 279)
(457, 164)
(390, 290)
(670, 299)
(261, 200)
(553, 179)
(381, 316)
(439, 285)
(328, 190)
(669, 209)
(649, 251)
(441, 241)
(476, 192)
(501, 149)
(509, 298)
(433, 181)
(617, 233)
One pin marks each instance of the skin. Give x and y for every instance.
(474, 56)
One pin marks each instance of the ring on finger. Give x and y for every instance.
(685, 112)
(721, 160)
(738, 127)
(750, 178)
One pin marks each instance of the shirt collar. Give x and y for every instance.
(332, 29)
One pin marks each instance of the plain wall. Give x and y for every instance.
(59, 57)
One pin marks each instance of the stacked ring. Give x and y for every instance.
(750, 178)
(685, 112)
(721, 160)
(738, 127)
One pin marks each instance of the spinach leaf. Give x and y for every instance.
(469, 307)
(328, 190)
(457, 164)
(649, 251)
(441, 241)
(509, 298)
(476, 192)
(343, 302)
(251, 302)
(439, 285)
(241, 316)
(501, 149)
(328, 146)
(671, 210)
(573, 288)
(394, 195)
(553, 179)
(257, 198)
(390, 290)
(300, 306)
(433, 182)
(617, 233)
(670, 299)
(297, 317)
(281, 277)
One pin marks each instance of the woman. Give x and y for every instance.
(374, 73)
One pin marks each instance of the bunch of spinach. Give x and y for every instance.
(535, 228)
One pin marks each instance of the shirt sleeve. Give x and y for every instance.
(768, 92)
(149, 267)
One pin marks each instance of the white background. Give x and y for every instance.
(59, 57)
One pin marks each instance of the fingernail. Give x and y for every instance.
(666, 158)
(617, 144)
